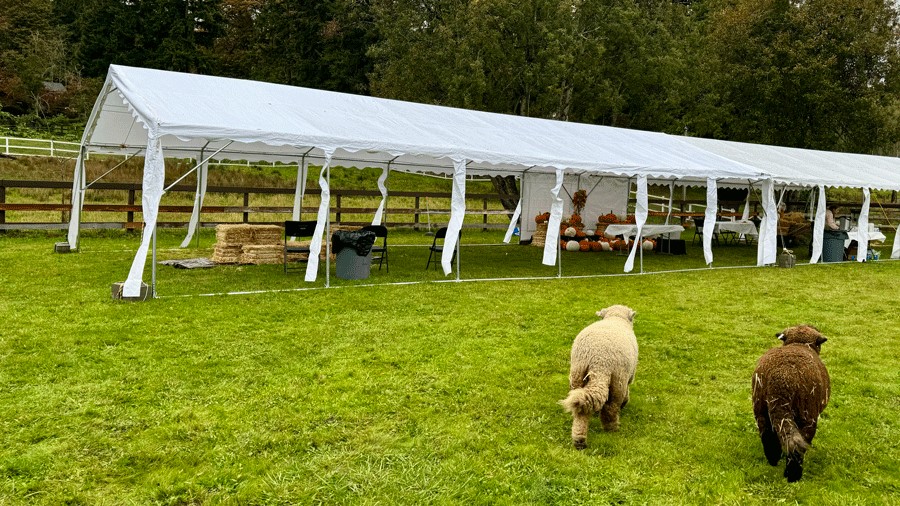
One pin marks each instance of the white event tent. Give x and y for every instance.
(794, 167)
(167, 114)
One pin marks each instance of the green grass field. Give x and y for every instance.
(429, 393)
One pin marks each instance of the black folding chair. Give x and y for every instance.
(698, 231)
(438, 247)
(379, 253)
(297, 229)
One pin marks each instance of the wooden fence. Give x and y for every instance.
(404, 209)
(483, 210)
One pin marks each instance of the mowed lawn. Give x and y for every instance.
(430, 393)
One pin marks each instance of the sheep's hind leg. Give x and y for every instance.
(771, 446)
(609, 415)
(770, 441)
(579, 430)
(793, 471)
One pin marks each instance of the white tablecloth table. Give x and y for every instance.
(739, 227)
(874, 235)
(648, 230)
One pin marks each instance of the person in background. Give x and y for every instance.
(830, 224)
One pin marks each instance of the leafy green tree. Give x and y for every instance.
(316, 44)
(615, 62)
(815, 73)
(164, 34)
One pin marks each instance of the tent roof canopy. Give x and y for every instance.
(807, 167)
(272, 122)
(257, 121)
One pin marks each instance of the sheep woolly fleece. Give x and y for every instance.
(791, 387)
(603, 363)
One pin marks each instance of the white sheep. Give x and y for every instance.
(603, 364)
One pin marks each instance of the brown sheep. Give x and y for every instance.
(603, 363)
(790, 390)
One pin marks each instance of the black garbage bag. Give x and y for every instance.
(361, 241)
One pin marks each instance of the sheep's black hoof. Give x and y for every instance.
(580, 444)
(793, 471)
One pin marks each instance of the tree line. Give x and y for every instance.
(819, 74)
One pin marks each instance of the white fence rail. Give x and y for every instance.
(18, 146)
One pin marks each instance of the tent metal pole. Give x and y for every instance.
(641, 253)
(129, 157)
(458, 247)
(186, 174)
(153, 267)
(328, 230)
(81, 194)
(199, 186)
(559, 251)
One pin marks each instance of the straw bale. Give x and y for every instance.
(226, 254)
(234, 234)
(540, 235)
(261, 254)
(267, 234)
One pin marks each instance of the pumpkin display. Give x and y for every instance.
(542, 218)
(605, 246)
(570, 232)
(572, 246)
(648, 245)
(584, 245)
(596, 246)
(608, 218)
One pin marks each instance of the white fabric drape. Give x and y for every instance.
(746, 214)
(895, 250)
(671, 199)
(151, 194)
(551, 244)
(376, 220)
(862, 235)
(709, 221)
(457, 213)
(202, 178)
(78, 178)
(300, 189)
(818, 227)
(315, 245)
(768, 228)
(640, 218)
(512, 222)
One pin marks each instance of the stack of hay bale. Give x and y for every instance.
(540, 235)
(248, 244)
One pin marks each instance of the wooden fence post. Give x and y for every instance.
(485, 215)
(416, 215)
(129, 217)
(2, 201)
(246, 205)
(337, 213)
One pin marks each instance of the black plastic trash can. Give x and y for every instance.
(353, 253)
(833, 245)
